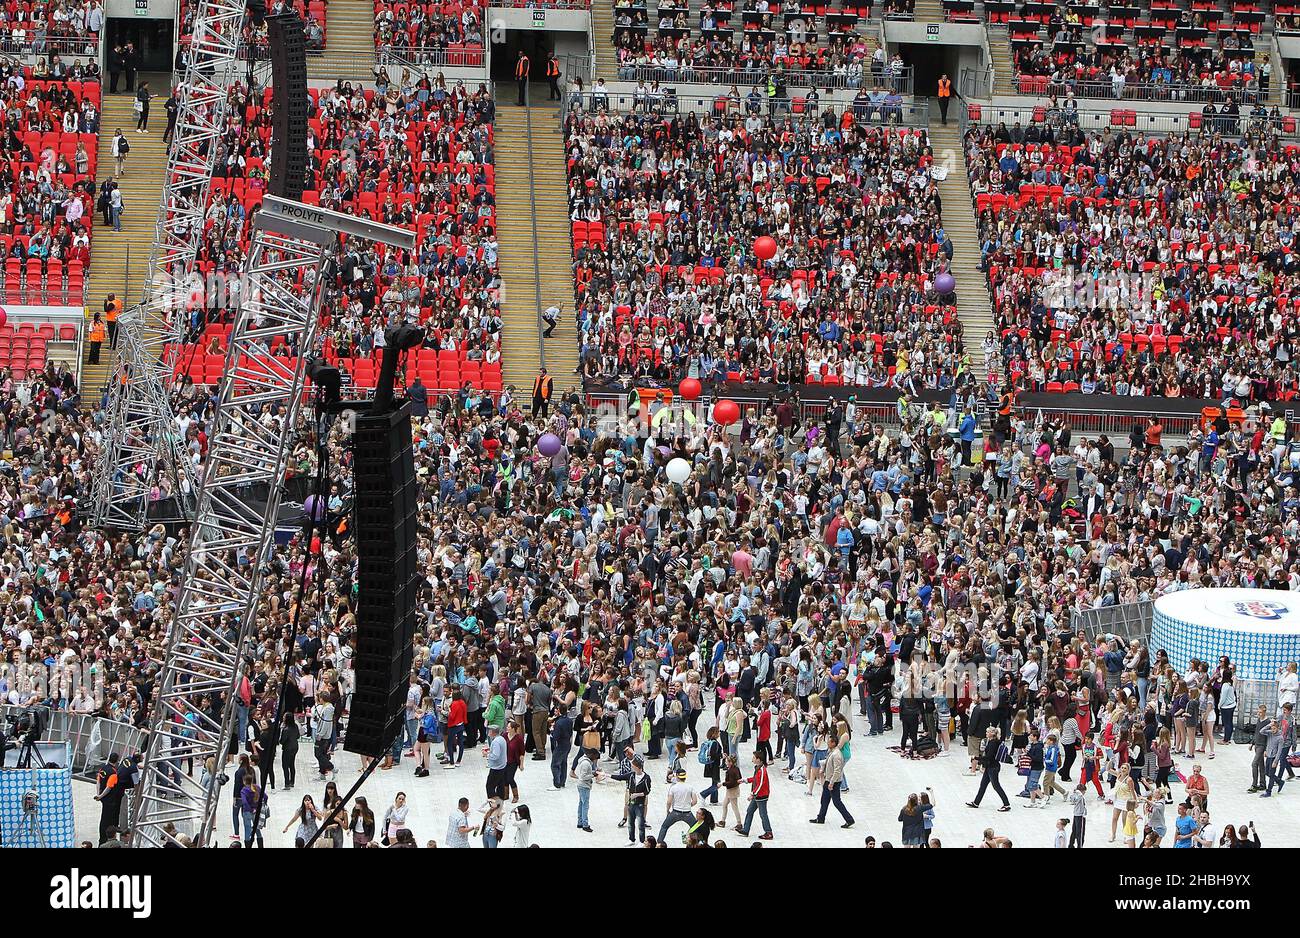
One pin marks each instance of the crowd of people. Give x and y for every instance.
(1140, 265)
(811, 48)
(809, 584)
(74, 27)
(47, 190)
(407, 152)
(1084, 57)
(668, 286)
(434, 33)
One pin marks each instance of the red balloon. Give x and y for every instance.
(689, 389)
(765, 248)
(726, 412)
(4, 317)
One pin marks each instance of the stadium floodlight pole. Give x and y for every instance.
(157, 324)
(232, 534)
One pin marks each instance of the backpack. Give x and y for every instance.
(705, 755)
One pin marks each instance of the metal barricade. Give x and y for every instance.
(1127, 620)
(89, 738)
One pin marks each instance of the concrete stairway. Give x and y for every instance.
(928, 11)
(602, 28)
(536, 259)
(973, 307)
(1003, 67)
(349, 42)
(119, 260)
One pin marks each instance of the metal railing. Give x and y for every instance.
(902, 83)
(89, 738)
(975, 82)
(1128, 620)
(1150, 122)
(467, 56)
(1137, 91)
(669, 101)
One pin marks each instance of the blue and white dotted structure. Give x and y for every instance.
(1259, 630)
(52, 825)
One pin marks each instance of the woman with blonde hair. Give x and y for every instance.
(1124, 798)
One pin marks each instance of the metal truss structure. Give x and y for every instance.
(141, 430)
(233, 531)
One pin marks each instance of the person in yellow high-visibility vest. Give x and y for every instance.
(521, 76)
(97, 336)
(945, 96)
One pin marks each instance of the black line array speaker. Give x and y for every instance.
(289, 116)
(388, 578)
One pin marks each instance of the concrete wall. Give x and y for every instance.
(553, 20)
(158, 9)
(951, 34)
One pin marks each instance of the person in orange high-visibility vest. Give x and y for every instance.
(945, 95)
(112, 309)
(541, 394)
(553, 77)
(521, 76)
(97, 335)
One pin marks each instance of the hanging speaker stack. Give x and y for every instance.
(387, 577)
(289, 105)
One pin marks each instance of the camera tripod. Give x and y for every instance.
(29, 825)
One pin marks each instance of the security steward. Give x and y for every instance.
(521, 77)
(553, 77)
(945, 96)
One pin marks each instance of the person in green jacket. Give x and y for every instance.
(496, 710)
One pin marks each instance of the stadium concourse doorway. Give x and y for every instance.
(928, 62)
(154, 41)
(537, 46)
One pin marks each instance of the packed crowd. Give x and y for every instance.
(1178, 59)
(75, 27)
(752, 626)
(417, 154)
(665, 212)
(47, 185)
(1127, 264)
(432, 33)
(794, 40)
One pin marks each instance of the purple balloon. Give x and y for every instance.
(548, 444)
(314, 506)
(944, 283)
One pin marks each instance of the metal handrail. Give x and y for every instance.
(800, 78)
(1137, 91)
(908, 114)
(472, 56)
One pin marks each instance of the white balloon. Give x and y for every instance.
(678, 470)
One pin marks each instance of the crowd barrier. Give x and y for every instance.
(89, 738)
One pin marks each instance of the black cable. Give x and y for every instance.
(267, 762)
(342, 802)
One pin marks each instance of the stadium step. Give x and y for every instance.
(1000, 57)
(119, 260)
(928, 11)
(973, 305)
(602, 28)
(536, 258)
(349, 42)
